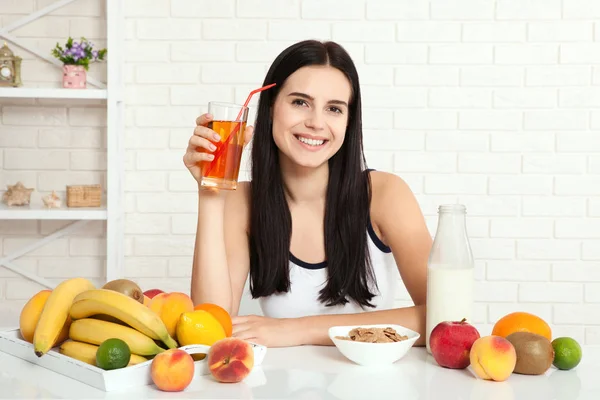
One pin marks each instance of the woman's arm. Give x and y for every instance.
(221, 263)
(221, 254)
(314, 329)
(397, 215)
(283, 332)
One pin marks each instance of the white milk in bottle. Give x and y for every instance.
(450, 277)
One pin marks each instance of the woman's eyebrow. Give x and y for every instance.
(308, 97)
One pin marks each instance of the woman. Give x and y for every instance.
(322, 239)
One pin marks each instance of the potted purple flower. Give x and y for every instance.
(76, 58)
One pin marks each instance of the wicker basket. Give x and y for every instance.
(84, 196)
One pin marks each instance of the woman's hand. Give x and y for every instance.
(202, 145)
(270, 332)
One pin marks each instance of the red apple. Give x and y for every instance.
(152, 292)
(450, 343)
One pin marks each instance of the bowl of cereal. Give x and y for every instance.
(373, 344)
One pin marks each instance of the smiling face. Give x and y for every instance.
(310, 115)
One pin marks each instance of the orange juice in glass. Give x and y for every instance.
(229, 121)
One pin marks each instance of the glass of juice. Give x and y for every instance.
(229, 121)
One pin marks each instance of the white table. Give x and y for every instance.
(314, 373)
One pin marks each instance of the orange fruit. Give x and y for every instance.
(30, 314)
(521, 321)
(220, 314)
(198, 327)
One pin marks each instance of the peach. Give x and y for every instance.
(493, 358)
(230, 360)
(157, 301)
(172, 370)
(169, 307)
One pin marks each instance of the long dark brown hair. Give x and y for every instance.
(347, 200)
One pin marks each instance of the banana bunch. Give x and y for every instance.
(95, 331)
(87, 353)
(96, 315)
(101, 314)
(123, 308)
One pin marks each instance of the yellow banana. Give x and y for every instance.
(87, 353)
(95, 331)
(124, 308)
(109, 319)
(55, 313)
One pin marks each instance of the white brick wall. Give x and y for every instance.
(492, 103)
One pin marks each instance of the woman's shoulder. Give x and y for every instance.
(389, 192)
(385, 184)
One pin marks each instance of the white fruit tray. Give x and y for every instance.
(133, 376)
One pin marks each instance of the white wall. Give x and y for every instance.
(490, 103)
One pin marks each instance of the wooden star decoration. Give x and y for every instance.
(17, 195)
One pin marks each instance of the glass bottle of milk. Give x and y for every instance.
(450, 276)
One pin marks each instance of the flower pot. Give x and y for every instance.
(74, 77)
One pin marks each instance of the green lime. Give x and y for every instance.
(567, 353)
(113, 354)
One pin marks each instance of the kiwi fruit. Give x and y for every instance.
(127, 287)
(534, 353)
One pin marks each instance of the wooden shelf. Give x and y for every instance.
(63, 213)
(51, 93)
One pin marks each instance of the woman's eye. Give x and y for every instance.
(298, 102)
(336, 110)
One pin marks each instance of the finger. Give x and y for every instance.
(197, 156)
(203, 119)
(248, 134)
(239, 319)
(249, 337)
(256, 340)
(240, 328)
(197, 141)
(207, 133)
(245, 335)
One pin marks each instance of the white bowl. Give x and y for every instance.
(369, 354)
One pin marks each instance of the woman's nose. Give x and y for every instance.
(314, 121)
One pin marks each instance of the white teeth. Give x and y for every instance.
(310, 142)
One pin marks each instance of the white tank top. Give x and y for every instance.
(307, 279)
